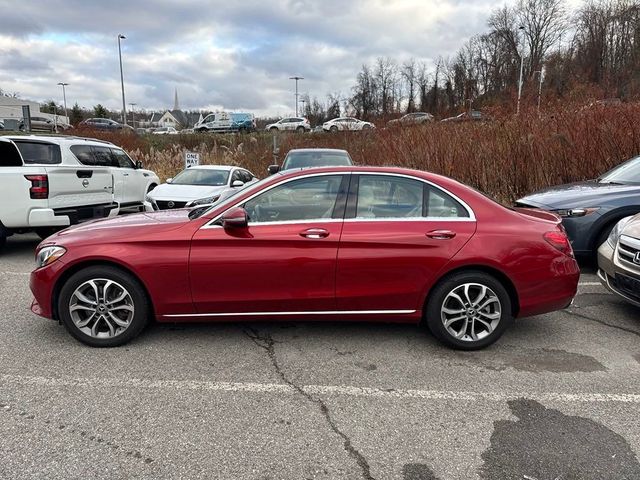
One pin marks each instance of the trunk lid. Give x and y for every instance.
(542, 215)
(71, 186)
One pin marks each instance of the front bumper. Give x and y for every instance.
(42, 283)
(608, 266)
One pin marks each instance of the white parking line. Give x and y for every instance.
(340, 390)
(589, 284)
(15, 273)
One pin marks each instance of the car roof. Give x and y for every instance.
(318, 150)
(61, 139)
(213, 167)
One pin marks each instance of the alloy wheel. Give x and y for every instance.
(471, 312)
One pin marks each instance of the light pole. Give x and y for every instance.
(296, 79)
(64, 98)
(521, 74)
(133, 121)
(124, 108)
(539, 72)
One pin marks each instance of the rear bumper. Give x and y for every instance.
(76, 215)
(548, 289)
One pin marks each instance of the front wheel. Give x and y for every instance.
(334, 129)
(469, 310)
(103, 306)
(300, 129)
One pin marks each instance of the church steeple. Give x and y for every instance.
(176, 104)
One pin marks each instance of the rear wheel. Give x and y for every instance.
(469, 310)
(300, 129)
(103, 306)
(334, 128)
(274, 129)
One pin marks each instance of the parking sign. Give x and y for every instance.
(191, 159)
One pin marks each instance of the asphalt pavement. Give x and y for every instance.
(557, 398)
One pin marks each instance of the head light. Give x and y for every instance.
(48, 255)
(205, 201)
(575, 212)
(617, 231)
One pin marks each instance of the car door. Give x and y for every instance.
(284, 261)
(136, 181)
(102, 157)
(399, 231)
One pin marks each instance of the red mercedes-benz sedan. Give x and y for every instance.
(338, 243)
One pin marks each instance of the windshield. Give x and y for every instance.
(316, 159)
(201, 176)
(628, 172)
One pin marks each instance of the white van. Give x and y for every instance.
(227, 122)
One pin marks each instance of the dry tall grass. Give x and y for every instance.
(504, 158)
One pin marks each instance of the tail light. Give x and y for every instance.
(39, 186)
(559, 240)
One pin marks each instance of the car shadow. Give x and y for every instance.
(19, 245)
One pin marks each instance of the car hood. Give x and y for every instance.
(123, 227)
(632, 229)
(184, 193)
(581, 194)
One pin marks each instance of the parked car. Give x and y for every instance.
(200, 185)
(38, 123)
(227, 122)
(41, 193)
(165, 131)
(473, 116)
(131, 182)
(590, 209)
(415, 118)
(338, 243)
(312, 157)
(104, 124)
(293, 124)
(346, 124)
(1, 125)
(619, 260)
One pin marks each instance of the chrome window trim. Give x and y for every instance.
(263, 314)
(470, 218)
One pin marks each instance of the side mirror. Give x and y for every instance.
(139, 165)
(237, 183)
(169, 180)
(273, 169)
(235, 218)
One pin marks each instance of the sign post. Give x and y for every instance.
(191, 159)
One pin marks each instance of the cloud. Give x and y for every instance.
(234, 55)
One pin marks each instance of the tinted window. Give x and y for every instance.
(40, 153)
(9, 155)
(389, 197)
(305, 199)
(121, 158)
(441, 205)
(103, 157)
(84, 154)
(245, 176)
(201, 176)
(315, 159)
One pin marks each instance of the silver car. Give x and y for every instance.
(619, 260)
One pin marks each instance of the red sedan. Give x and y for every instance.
(347, 243)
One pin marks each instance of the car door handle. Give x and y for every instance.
(441, 234)
(314, 233)
(125, 174)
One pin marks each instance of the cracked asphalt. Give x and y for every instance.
(557, 398)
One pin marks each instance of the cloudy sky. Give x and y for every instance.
(235, 55)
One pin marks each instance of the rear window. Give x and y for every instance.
(316, 159)
(9, 155)
(39, 153)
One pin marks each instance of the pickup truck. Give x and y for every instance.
(48, 197)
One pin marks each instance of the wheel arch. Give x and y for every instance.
(498, 274)
(69, 272)
(609, 220)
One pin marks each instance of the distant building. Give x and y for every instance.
(172, 118)
(11, 109)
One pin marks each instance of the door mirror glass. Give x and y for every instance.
(273, 169)
(169, 180)
(237, 183)
(139, 165)
(235, 218)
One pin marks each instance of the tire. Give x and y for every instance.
(487, 330)
(300, 129)
(333, 128)
(366, 127)
(274, 130)
(105, 332)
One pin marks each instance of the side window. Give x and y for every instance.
(121, 158)
(245, 176)
(382, 196)
(84, 154)
(304, 199)
(103, 157)
(236, 176)
(440, 205)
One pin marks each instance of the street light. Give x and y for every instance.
(539, 72)
(133, 121)
(64, 97)
(296, 79)
(303, 102)
(521, 74)
(124, 108)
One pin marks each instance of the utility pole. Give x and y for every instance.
(539, 72)
(124, 108)
(64, 98)
(296, 79)
(521, 74)
(133, 120)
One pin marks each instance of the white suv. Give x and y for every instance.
(131, 182)
(293, 124)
